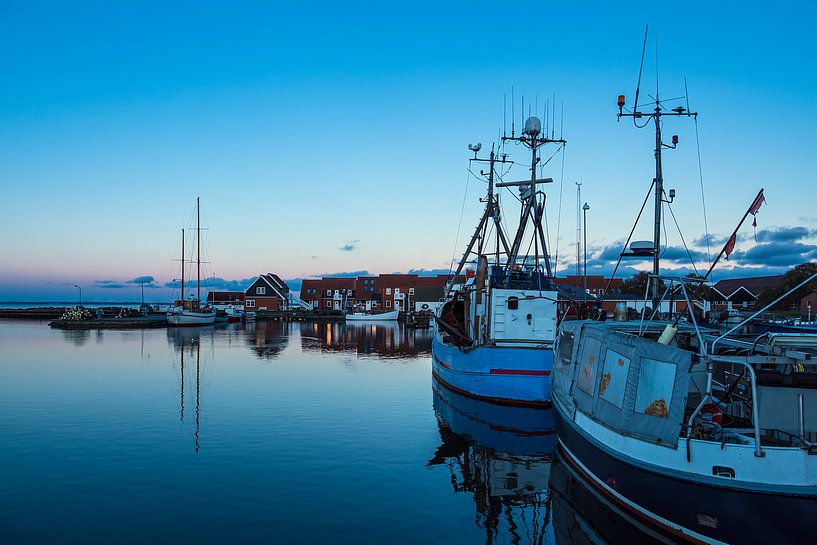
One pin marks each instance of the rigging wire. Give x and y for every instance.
(635, 224)
(701, 179)
(669, 207)
(559, 221)
(459, 225)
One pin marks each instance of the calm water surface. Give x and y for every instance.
(281, 433)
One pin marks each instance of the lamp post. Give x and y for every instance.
(585, 208)
(80, 294)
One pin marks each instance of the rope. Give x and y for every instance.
(459, 226)
(646, 198)
(703, 195)
(559, 221)
(669, 207)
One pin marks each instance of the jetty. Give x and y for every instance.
(140, 322)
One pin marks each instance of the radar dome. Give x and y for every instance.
(533, 126)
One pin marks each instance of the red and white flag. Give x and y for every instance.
(730, 246)
(758, 202)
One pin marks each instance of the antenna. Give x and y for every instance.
(658, 181)
(640, 69)
(513, 115)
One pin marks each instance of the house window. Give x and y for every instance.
(250, 303)
(388, 291)
(388, 303)
(411, 291)
(329, 304)
(260, 290)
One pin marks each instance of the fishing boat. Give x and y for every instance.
(702, 436)
(189, 312)
(495, 331)
(372, 317)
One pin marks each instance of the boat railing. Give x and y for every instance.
(707, 397)
(761, 311)
(671, 283)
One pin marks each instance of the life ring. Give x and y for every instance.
(713, 413)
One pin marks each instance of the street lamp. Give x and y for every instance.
(585, 208)
(80, 294)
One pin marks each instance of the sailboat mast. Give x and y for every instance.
(198, 252)
(182, 266)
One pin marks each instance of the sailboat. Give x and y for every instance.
(495, 331)
(189, 312)
(700, 435)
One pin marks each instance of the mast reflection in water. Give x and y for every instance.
(500, 455)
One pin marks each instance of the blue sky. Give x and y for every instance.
(332, 137)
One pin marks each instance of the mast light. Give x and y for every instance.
(620, 101)
(674, 139)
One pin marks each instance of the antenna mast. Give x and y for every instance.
(492, 212)
(655, 116)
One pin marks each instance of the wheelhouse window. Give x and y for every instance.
(656, 380)
(614, 378)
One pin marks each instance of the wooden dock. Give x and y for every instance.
(141, 322)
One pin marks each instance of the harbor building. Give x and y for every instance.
(267, 292)
(381, 293)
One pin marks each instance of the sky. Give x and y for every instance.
(330, 138)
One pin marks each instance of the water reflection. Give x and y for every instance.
(76, 336)
(582, 516)
(187, 342)
(501, 457)
(384, 339)
(267, 338)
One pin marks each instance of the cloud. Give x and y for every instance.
(108, 284)
(214, 283)
(783, 234)
(146, 279)
(349, 246)
(784, 254)
(428, 272)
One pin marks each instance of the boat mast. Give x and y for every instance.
(530, 208)
(658, 181)
(182, 266)
(198, 253)
(491, 212)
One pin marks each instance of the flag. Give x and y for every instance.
(730, 246)
(759, 200)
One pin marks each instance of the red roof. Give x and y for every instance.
(754, 285)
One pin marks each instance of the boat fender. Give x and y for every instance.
(713, 413)
(668, 334)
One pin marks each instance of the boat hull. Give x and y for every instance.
(382, 317)
(684, 509)
(506, 375)
(181, 319)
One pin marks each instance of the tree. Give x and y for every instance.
(790, 280)
(637, 283)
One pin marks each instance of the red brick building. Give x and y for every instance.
(267, 292)
(380, 293)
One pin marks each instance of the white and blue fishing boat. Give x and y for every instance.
(701, 436)
(495, 331)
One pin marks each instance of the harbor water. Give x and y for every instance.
(269, 431)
